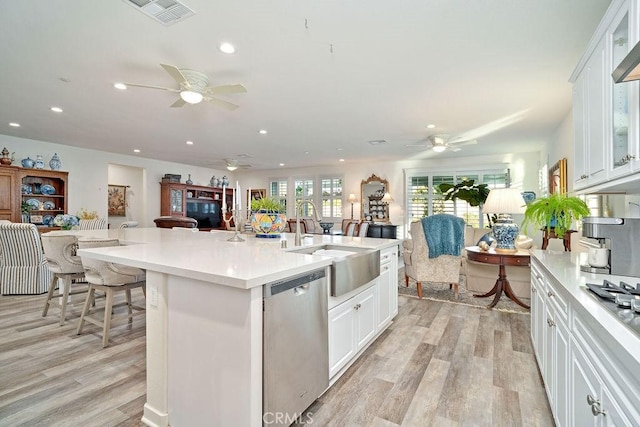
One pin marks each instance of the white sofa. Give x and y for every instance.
(480, 277)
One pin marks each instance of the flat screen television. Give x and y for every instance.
(206, 212)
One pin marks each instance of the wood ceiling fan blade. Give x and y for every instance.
(179, 103)
(176, 74)
(153, 87)
(221, 103)
(225, 89)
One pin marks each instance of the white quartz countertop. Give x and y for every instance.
(565, 268)
(210, 257)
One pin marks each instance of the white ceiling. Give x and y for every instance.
(495, 70)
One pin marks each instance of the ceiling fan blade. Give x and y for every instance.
(153, 87)
(221, 103)
(453, 148)
(469, 142)
(225, 89)
(417, 145)
(176, 74)
(179, 103)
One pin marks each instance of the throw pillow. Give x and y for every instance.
(487, 238)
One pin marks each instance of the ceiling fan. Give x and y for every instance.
(194, 88)
(233, 164)
(442, 142)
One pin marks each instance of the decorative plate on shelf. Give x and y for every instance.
(47, 220)
(48, 205)
(48, 189)
(26, 189)
(34, 203)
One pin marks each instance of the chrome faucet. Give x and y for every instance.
(298, 238)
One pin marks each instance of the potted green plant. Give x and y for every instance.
(25, 209)
(555, 213)
(268, 217)
(474, 194)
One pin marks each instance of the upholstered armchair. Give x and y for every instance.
(23, 267)
(421, 268)
(92, 224)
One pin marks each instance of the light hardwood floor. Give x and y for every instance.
(439, 364)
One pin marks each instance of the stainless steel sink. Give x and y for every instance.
(351, 267)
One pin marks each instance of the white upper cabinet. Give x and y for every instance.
(606, 114)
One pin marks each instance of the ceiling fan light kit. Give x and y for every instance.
(439, 148)
(191, 97)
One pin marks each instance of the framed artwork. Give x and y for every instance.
(117, 200)
(256, 194)
(558, 177)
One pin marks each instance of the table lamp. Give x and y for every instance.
(352, 199)
(504, 202)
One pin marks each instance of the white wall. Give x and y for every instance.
(134, 179)
(524, 173)
(89, 174)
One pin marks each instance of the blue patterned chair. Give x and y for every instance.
(23, 267)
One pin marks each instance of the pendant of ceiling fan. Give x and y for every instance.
(194, 88)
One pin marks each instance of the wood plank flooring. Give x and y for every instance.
(439, 364)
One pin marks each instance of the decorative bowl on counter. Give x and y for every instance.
(326, 227)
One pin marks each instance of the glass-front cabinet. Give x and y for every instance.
(619, 44)
(176, 200)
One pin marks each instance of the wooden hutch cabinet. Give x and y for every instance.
(202, 203)
(44, 190)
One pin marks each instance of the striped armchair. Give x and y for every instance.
(23, 267)
(92, 224)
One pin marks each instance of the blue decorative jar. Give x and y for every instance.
(505, 232)
(39, 163)
(55, 163)
(27, 163)
(189, 182)
(225, 181)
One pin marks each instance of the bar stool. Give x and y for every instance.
(60, 252)
(110, 278)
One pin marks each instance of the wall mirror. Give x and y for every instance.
(558, 177)
(373, 207)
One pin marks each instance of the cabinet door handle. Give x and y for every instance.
(357, 306)
(551, 323)
(550, 294)
(595, 406)
(534, 290)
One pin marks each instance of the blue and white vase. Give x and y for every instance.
(189, 182)
(39, 163)
(55, 163)
(27, 163)
(225, 181)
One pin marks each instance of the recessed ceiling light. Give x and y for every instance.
(431, 126)
(56, 109)
(338, 149)
(262, 131)
(136, 151)
(120, 86)
(14, 124)
(281, 164)
(342, 160)
(189, 142)
(226, 48)
(306, 152)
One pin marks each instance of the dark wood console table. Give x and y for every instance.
(383, 231)
(474, 253)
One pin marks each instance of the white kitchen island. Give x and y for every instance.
(204, 316)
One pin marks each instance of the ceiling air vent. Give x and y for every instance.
(166, 12)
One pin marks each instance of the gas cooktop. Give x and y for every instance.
(621, 299)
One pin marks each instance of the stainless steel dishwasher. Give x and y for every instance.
(295, 346)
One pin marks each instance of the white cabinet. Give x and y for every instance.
(550, 337)
(605, 114)
(388, 286)
(352, 325)
(588, 378)
(595, 401)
